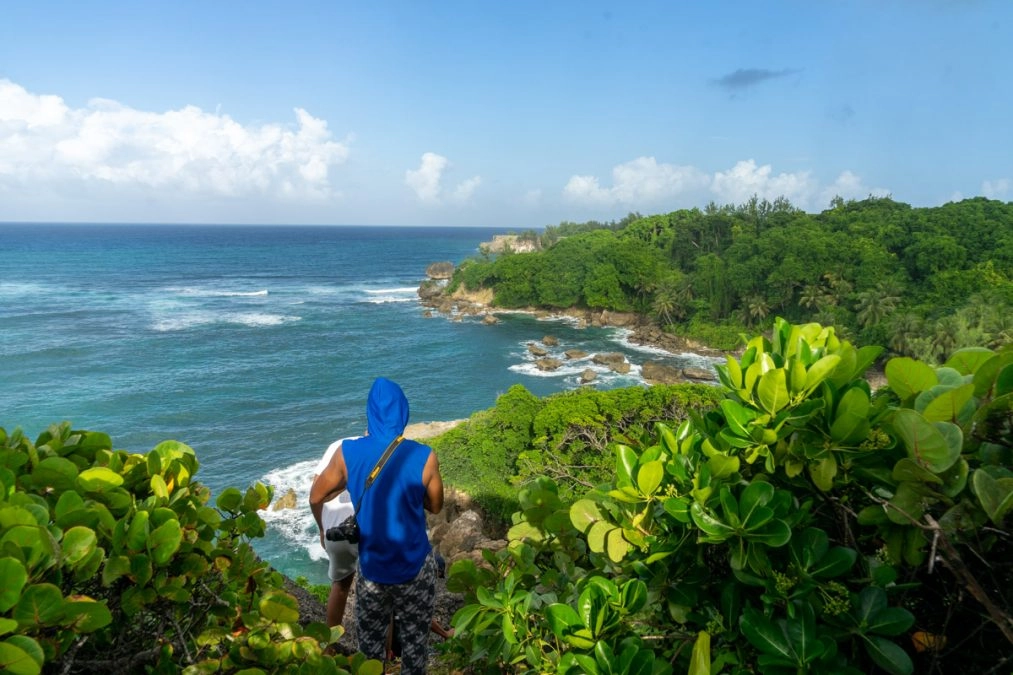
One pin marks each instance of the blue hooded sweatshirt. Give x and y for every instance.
(394, 540)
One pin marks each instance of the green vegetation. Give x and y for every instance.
(565, 435)
(804, 524)
(789, 520)
(923, 282)
(115, 562)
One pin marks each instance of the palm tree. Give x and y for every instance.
(811, 296)
(664, 305)
(874, 305)
(905, 330)
(755, 310)
(945, 337)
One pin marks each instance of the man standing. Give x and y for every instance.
(397, 569)
(342, 555)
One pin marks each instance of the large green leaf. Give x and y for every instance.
(888, 655)
(164, 541)
(851, 423)
(700, 659)
(78, 543)
(906, 376)
(820, 371)
(40, 605)
(770, 638)
(16, 661)
(773, 390)
(14, 578)
(949, 406)
(85, 615)
(58, 473)
(925, 442)
(99, 479)
(968, 360)
(649, 477)
(584, 513)
(995, 495)
(279, 606)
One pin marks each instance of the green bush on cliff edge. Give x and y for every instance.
(116, 562)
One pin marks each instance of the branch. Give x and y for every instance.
(956, 565)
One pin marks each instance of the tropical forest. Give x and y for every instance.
(837, 502)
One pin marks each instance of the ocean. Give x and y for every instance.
(256, 345)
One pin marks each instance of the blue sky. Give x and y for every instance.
(512, 115)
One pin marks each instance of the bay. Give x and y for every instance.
(256, 345)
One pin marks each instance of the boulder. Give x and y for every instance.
(550, 340)
(536, 350)
(430, 290)
(440, 270)
(489, 320)
(658, 373)
(588, 376)
(575, 353)
(461, 534)
(607, 359)
(548, 364)
(622, 367)
(706, 374)
(286, 501)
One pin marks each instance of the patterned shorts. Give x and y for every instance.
(411, 604)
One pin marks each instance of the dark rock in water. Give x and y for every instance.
(431, 289)
(575, 353)
(588, 376)
(536, 350)
(609, 359)
(548, 364)
(659, 373)
(489, 319)
(440, 270)
(699, 374)
(550, 340)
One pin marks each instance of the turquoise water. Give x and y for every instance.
(256, 346)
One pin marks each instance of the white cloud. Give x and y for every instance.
(427, 181)
(44, 143)
(639, 182)
(847, 186)
(644, 182)
(997, 189)
(745, 179)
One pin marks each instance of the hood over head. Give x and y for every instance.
(386, 410)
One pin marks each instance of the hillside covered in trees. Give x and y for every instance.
(921, 281)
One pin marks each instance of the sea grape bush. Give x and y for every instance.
(798, 526)
(118, 562)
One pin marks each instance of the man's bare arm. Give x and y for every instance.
(328, 484)
(433, 500)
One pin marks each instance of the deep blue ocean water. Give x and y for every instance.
(255, 345)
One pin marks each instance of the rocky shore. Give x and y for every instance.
(478, 304)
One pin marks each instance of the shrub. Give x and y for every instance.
(117, 562)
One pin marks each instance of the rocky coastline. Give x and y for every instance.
(463, 304)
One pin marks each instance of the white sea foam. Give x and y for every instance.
(379, 296)
(20, 288)
(192, 291)
(197, 318)
(622, 337)
(295, 525)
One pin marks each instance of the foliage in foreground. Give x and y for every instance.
(115, 562)
(803, 525)
(565, 435)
